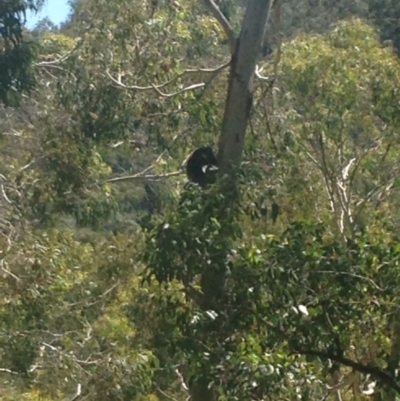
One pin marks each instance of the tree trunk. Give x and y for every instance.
(237, 110)
(240, 96)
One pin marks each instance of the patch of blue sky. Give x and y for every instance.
(56, 11)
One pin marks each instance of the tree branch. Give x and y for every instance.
(77, 393)
(149, 177)
(378, 373)
(216, 12)
(11, 372)
(186, 89)
(240, 88)
(157, 88)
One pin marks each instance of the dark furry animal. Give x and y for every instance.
(199, 166)
(266, 49)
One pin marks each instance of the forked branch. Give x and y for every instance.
(216, 12)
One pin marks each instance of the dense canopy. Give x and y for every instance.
(277, 278)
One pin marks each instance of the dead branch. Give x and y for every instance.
(11, 372)
(142, 174)
(77, 393)
(59, 59)
(258, 71)
(118, 81)
(4, 269)
(150, 177)
(187, 89)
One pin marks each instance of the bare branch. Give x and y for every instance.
(49, 65)
(150, 177)
(54, 63)
(118, 81)
(181, 379)
(77, 393)
(11, 372)
(216, 12)
(4, 266)
(188, 88)
(206, 70)
(64, 56)
(258, 71)
(3, 192)
(387, 187)
(155, 177)
(88, 361)
(166, 395)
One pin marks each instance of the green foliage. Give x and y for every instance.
(99, 112)
(60, 313)
(385, 14)
(16, 72)
(16, 55)
(124, 289)
(297, 293)
(193, 239)
(13, 14)
(261, 306)
(336, 112)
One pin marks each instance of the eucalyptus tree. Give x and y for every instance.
(16, 54)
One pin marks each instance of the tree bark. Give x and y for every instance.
(240, 96)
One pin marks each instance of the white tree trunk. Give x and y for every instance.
(240, 96)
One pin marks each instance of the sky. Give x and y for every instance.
(56, 10)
